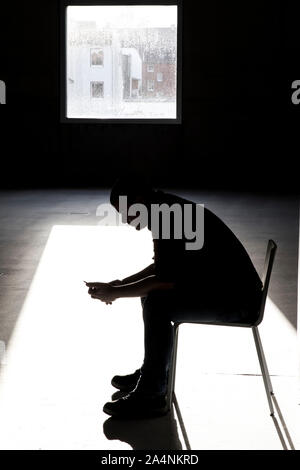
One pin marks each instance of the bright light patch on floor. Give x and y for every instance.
(66, 347)
(220, 369)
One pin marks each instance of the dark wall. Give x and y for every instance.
(239, 126)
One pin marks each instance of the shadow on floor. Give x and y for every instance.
(145, 434)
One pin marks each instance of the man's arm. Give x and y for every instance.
(108, 293)
(149, 271)
(142, 287)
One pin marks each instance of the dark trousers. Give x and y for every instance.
(161, 308)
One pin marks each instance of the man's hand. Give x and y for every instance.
(102, 291)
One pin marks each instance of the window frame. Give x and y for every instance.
(63, 59)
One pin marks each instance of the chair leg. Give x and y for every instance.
(172, 371)
(264, 368)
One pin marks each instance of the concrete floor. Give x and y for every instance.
(62, 348)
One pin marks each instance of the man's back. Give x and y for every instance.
(222, 263)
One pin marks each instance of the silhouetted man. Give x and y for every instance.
(217, 282)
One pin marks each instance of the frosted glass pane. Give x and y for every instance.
(121, 62)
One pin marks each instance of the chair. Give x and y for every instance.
(270, 255)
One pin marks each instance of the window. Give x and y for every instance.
(118, 45)
(96, 57)
(97, 90)
(150, 85)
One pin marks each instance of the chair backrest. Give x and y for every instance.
(267, 271)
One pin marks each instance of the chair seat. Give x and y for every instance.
(246, 324)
